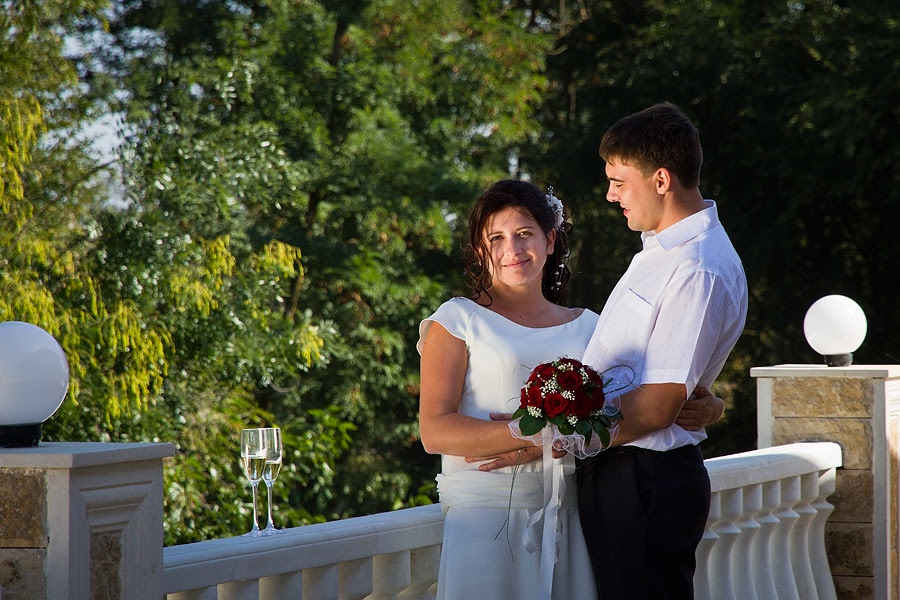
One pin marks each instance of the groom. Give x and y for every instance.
(673, 318)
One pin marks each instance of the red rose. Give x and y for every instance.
(544, 372)
(594, 376)
(534, 396)
(597, 398)
(570, 362)
(583, 406)
(555, 404)
(523, 397)
(569, 381)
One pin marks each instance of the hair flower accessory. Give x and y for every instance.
(556, 206)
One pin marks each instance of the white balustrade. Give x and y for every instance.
(96, 519)
(764, 540)
(768, 540)
(388, 555)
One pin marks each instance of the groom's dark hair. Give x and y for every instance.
(661, 136)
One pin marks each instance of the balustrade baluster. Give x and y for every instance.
(702, 575)
(210, 593)
(725, 528)
(742, 556)
(239, 590)
(321, 583)
(800, 557)
(425, 564)
(286, 586)
(357, 578)
(782, 566)
(391, 575)
(762, 555)
(825, 589)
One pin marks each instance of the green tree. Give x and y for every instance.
(795, 104)
(294, 181)
(351, 134)
(126, 291)
(49, 190)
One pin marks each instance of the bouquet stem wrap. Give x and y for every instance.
(546, 520)
(563, 406)
(553, 494)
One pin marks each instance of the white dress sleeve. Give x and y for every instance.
(453, 315)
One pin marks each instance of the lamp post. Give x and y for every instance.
(835, 327)
(34, 379)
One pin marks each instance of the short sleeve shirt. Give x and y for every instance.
(675, 314)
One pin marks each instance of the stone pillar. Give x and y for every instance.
(82, 521)
(857, 407)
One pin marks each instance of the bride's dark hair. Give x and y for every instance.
(529, 199)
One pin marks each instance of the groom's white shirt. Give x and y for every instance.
(675, 314)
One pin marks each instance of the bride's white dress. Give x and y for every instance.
(489, 551)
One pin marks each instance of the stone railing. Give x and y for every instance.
(765, 536)
(390, 555)
(84, 521)
(765, 539)
(858, 407)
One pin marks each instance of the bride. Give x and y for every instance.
(476, 354)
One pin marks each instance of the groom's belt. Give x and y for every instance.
(622, 450)
(606, 455)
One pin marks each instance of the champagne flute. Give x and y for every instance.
(253, 459)
(271, 470)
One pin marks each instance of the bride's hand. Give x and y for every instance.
(507, 459)
(700, 410)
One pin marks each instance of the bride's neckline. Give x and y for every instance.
(576, 312)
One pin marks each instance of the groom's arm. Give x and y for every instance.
(700, 411)
(648, 408)
(645, 409)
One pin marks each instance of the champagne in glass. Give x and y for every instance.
(253, 459)
(271, 469)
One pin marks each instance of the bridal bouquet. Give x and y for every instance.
(570, 398)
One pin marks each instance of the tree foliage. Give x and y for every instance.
(349, 137)
(796, 104)
(49, 187)
(288, 201)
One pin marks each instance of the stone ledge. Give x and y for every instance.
(807, 370)
(75, 455)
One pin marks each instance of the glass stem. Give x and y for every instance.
(255, 509)
(270, 524)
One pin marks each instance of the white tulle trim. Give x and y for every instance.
(573, 444)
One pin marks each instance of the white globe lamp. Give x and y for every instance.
(835, 327)
(34, 379)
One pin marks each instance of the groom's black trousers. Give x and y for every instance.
(643, 514)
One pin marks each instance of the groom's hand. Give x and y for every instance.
(700, 410)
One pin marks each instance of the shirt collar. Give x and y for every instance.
(685, 229)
